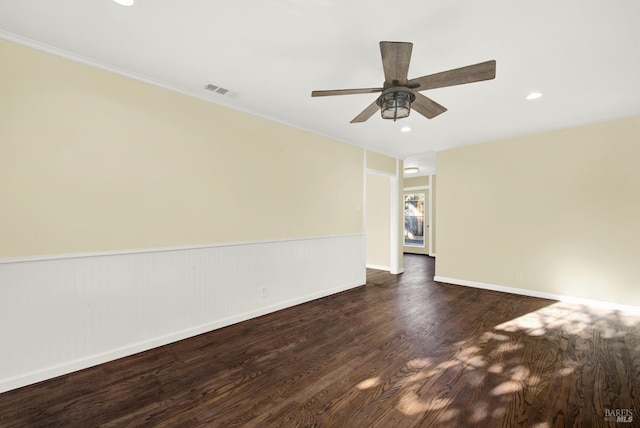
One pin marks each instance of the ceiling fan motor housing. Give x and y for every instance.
(395, 102)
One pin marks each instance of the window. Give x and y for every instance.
(414, 219)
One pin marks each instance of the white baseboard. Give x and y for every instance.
(540, 294)
(378, 267)
(386, 268)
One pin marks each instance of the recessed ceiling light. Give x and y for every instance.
(411, 170)
(534, 95)
(125, 2)
(405, 129)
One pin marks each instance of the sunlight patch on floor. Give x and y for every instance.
(498, 412)
(449, 414)
(505, 348)
(495, 369)
(566, 371)
(476, 378)
(470, 357)
(480, 412)
(419, 363)
(490, 335)
(574, 319)
(508, 387)
(411, 404)
(494, 358)
(369, 383)
(520, 378)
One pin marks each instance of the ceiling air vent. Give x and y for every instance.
(215, 88)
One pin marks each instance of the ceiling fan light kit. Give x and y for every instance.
(395, 103)
(400, 94)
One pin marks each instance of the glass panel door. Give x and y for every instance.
(414, 219)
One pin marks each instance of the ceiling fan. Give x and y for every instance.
(400, 94)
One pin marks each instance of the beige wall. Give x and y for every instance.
(422, 180)
(556, 212)
(93, 161)
(380, 162)
(378, 231)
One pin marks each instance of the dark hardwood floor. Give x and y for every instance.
(401, 351)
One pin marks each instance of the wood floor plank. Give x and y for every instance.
(401, 351)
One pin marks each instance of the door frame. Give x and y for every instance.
(394, 217)
(424, 188)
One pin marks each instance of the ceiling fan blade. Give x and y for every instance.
(366, 113)
(395, 61)
(426, 106)
(472, 73)
(345, 92)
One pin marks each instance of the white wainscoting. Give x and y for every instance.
(59, 315)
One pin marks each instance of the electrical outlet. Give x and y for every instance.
(519, 276)
(264, 292)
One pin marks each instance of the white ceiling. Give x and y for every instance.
(582, 55)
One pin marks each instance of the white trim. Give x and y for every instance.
(364, 195)
(409, 189)
(430, 215)
(432, 254)
(394, 222)
(28, 259)
(378, 172)
(540, 294)
(378, 267)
